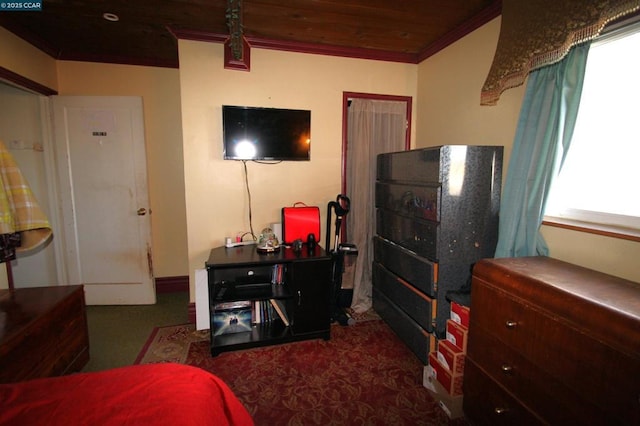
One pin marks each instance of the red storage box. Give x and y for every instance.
(457, 334)
(460, 314)
(451, 382)
(299, 221)
(451, 356)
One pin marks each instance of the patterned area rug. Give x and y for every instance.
(172, 343)
(363, 375)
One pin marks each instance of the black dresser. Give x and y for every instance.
(437, 214)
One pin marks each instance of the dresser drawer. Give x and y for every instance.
(419, 306)
(419, 236)
(488, 404)
(415, 337)
(543, 393)
(423, 165)
(512, 321)
(596, 372)
(418, 271)
(421, 201)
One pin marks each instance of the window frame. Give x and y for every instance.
(594, 222)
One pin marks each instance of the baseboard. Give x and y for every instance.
(172, 284)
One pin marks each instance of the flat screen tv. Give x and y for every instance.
(270, 134)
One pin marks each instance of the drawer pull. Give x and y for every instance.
(500, 411)
(506, 369)
(511, 324)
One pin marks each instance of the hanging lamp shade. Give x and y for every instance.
(20, 212)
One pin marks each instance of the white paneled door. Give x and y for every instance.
(99, 151)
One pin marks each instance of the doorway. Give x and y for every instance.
(21, 131)
(372, 124)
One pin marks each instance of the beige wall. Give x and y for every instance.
(160, 92)
(217, 204)
(449, 96)
(450, 113)
(22, 58)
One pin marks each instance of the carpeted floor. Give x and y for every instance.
(116, 333)
(363, 375)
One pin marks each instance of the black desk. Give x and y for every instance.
(242, 279)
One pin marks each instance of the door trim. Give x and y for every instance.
(52, 188)
(346, 96)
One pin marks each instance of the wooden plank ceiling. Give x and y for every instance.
(146, 30)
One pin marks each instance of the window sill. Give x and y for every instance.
(593, 228)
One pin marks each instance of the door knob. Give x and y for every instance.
(142, 211)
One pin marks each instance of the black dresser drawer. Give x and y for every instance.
(415, 337)
(421, 201)
(419, 236)
(419, 306)
(416, 270)
(411, 166)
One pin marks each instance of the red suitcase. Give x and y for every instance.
(299, 221)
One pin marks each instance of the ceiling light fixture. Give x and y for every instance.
(110, 17)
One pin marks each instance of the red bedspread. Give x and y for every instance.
(155, 394)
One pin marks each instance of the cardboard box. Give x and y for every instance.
(451, 405)
(451, 356)
(452, 383)
(429, 378)
(457, 334)
(459, 314)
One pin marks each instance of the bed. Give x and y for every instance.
(137, 395)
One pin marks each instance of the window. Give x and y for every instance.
(599, 182)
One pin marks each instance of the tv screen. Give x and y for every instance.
(252, 133)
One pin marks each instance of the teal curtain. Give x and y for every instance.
(545, 127)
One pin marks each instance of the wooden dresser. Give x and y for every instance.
(43, 332)
(551, 342)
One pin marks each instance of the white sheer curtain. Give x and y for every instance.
(374, 127)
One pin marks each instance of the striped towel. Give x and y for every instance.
(19, 210)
